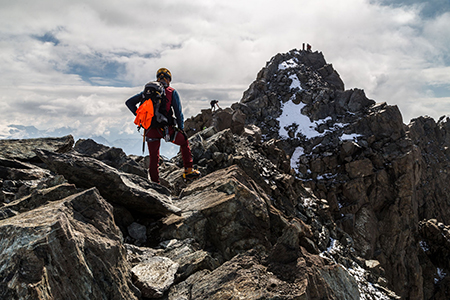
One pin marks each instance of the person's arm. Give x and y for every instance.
(132, 103)
(176, 104)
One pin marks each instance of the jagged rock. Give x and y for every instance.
(383, 121)
(190, 258)
(222, 119)
(16, 170)
(24, 149)
(245, 276)
(154, 276)
(229, 118)
(436, 242)
(67, 249)
(204, 147)
(358, 101)
(182, 291)
(252, 133)
(195, 124)
(111, 156)
(136, 254)
(21, 178)
(38, 198)
(229, 215)
(238, 122)
(248, 276)
(129, 190)
(287, 248)
(359, 168)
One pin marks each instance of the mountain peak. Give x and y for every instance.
(308, 191)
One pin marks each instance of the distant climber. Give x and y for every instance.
(308, 47)
(214, 103)
(164, 127)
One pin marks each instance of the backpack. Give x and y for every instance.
(153, 106)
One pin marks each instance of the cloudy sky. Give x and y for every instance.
(74, 63)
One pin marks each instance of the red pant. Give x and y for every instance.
(154, 136)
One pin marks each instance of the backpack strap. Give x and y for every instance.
(169, 93)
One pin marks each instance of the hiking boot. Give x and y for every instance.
(191, 173)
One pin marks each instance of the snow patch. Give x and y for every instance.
(332, 245)
(352, 136)
(424, 246)
(295, 82)
(299, 151)
(291, 63)
(327, 176)
(291, 116)
(441, 275)
(366, 289)
(308, 202)
(323, 121)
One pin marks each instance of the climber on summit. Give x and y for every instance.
(165, 129)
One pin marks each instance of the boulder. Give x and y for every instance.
(66, 249)
(154, 276)
(24, 149)
(189, 256)
(248, 276)
(111, 156)
(38, 198)
(129, 190)
(223, 210)
(19, 179)
(138, 232)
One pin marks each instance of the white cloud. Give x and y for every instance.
(214, 50)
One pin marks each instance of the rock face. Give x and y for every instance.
(118, 187)
(309, 191)
(66, 249)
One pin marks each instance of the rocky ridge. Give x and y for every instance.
(309, 191)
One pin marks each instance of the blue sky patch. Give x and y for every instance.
(439, 91)
(430, 8)
(92, 68)
(47, 38)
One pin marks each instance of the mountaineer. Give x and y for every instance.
(213, 104)
(160, 123)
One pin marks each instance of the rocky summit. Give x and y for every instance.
(308, 191)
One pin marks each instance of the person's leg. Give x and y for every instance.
(153, 142)
(181, 141)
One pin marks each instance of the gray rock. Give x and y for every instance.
(67, 249)
(38, 198)
(24, 149)
(138, 232)
(129, 190)
(229, 214)
(154, 276)
(111, 156)
(190, 258)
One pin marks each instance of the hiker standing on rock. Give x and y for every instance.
(165, 129)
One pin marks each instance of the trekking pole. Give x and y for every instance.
(143, 142)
